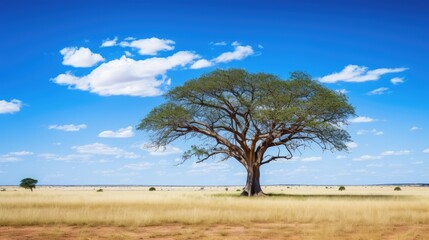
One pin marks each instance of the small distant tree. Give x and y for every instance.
(152, 189)
(397, 189)
(342, 188)
(28, 183)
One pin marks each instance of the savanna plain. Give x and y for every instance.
(289, 212)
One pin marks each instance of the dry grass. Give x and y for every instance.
(310, 212)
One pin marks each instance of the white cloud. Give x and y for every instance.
(239, 53)
(150, 46)
(139, 166)
(260, 46)
(375, 165)
(396, 153)
(415, 128)
(68, 127)
(397, 80)
(311, 159)
(378, 91)
(202, 63)
(126, 76)
(362, 120)
(65, 158)
(351, 145)
(120, 133)
(161, 151)
(342, 91)
(206, 168)
(373, 131)
(109, 42)
(103, 149)
(128, 54)
(14, 156)
(367, 157)
(354, 73)
(426, 150)
(82, 57)
(341, 157)
(10, 107)
(218, 43)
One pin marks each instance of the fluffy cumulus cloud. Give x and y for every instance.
(355, 73)
(80, 57)
(239, 53)
(379, 91)
(109, 42)
(68, 127)
(361, 119)
(120, 133)
(126, 76)
(65, 158)
(130, 76)
(10, 107)
(397, 80)
(103, 149)
(160, 151)
(149, 46)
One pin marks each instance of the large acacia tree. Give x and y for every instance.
(240, 115)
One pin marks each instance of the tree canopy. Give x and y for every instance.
(28, 183)
(241, 115)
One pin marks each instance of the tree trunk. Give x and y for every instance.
(253, 187)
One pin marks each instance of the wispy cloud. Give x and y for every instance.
(311, 159)
(139, 166)
(68, 127)
(66, 157)
(103, 149)
(202, 63)
(373, 132)
(355, 73)
(209, 167)
(426, 150)
(161, 151)
(415, 128)
(351, 145)
(396, 153)
(367, 157)
(80, 57)
(222, 43)
(120, 133)
(361, 119)
(379, 91)
(10, 107)
(397, 80)
(342, 91)
(14, 156)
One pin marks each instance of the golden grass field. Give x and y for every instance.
(190, 213)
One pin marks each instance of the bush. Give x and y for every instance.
(99, 190)
(397, 189)
(238, 190)
(342, 188)
(226, 189)
(3, 190)
(152, 189)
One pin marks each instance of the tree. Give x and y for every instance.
(239, 115)
(28, 183)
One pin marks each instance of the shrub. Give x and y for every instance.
(238, 190)
(342, 188)
(397, 189)
(3, 190)
(152, 189)
(226, 189)
(99, 190)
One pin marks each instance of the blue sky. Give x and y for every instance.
(78, 76)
